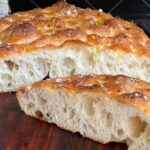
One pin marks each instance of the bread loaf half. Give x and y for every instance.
(63, 40)
(101, 107)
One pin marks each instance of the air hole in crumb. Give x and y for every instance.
(92, 129)
(46, 77)
(31, 105)
(9, 84)
(109, 65)
(128, 141)
(85, 126)
(6, 77)
(121, 69)
(130, 66)
(11, 65)
(70, 65)
(109, 116)
(64, 109)
(87, 105)
(109, 119)
(39, 114)
(135, 126)
(31, 73)
(43, 101)
(47, 114)
(73, 71)
(71, 114)
(53, 73)
(120, 132)
(49, 65)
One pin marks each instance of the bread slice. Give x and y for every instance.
(101, 107)
(63, 40)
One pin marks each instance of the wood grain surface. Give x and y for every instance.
(20, 132)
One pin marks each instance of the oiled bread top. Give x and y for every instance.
(64, 23)
(121, 88)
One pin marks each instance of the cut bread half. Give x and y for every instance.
(63, 40)
(101, 107)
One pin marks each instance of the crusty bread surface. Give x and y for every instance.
(63, 40)
(104, 108)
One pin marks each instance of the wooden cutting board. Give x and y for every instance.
(20, 132)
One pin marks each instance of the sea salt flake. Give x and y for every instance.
(68, 12)
(100, 10)
(137, 94)
(145, 97)
(102, 85)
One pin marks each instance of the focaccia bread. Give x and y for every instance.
(63, 40)
(101, 107)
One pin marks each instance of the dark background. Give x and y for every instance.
(127, 6)
(132, 10)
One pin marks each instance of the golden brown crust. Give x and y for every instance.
(29, 31)
(121, 88)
